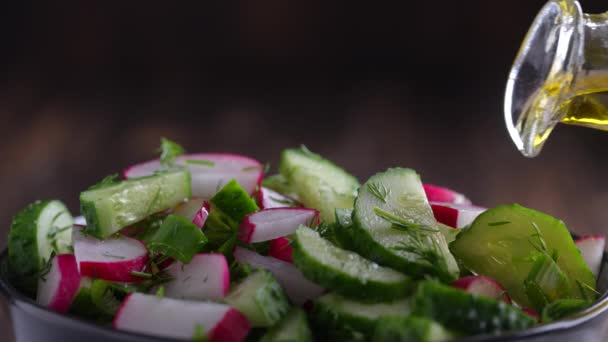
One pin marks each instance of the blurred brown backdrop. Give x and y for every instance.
(87, 88)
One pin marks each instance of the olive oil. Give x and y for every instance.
(589, 110)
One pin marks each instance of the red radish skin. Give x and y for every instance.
(231, 328)
(196, 209)
(280, 248)
(268, 224)
(113, 259)
(206, 277)
(592, 249)
(180, 319)
(212, 173)
(455, 215)
(436, 193)
(483, 286)
(57, 288)
(268, 199)
(296, 286)
(531, 313)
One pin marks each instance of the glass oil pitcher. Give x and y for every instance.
(559, 75)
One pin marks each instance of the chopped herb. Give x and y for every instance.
(169, 150)
(105, 182)
(143, 275)
(498, 223)
(266, 167)
(379, 191)
(583, 287)
(199, 333)
(538, 235)
(285, 201)
(251, 168)
(106, 254)
(160, 293)
(401, 224)
(200, 162)
(305, 149)
(46, 266)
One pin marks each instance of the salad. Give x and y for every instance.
(205, 247)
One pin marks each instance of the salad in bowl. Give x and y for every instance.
(206, 247)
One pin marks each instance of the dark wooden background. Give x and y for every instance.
(87, 88)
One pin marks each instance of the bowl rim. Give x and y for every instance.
(16, 298)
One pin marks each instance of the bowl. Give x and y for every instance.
(32, 322)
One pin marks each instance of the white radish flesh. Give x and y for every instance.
(592, 249)
(206, 277)
(436, 193)
(456, 215)
(268, 224)
(483, 286)
(112, 259)
(196, 210)
(210, 171)
(181, 319)
(298, 288)
(57, 288)
(268, 199)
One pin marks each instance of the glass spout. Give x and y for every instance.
(561, 63)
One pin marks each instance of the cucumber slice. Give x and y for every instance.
(507, 238)
(346, 272)
(332, 312)
(563, 308)
(292, 328)
(178, 238)
(467, 313)
(228, 208)
(411, 328)
(110, 208)
(410, 241)
(41, 229)
(318, 183)
(260, 298)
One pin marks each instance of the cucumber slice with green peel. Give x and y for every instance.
(506, 239)
(260, 298)
(318, 182)
(393, 224)
(465, 312)
(279, 184)
(563, 308)
(178, 238)
(545, 283)
(292, 328)
(110, 208)
(228, 208)
(335, 312)
(95, 300)
(344, 271)
(410, 328)
(448, 232)
(37, 232)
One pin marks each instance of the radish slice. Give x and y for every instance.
(80, 221)
(456, 215)
(273, 223)
(531, 313)
(206, 277)
(181, 319)
(268, 198)
(436, 193)
(57, 288)
(298, 289)
(210, 171)
(592, 248)
(280, 248)
(483, 286)
(196, 209)
(112, 259)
